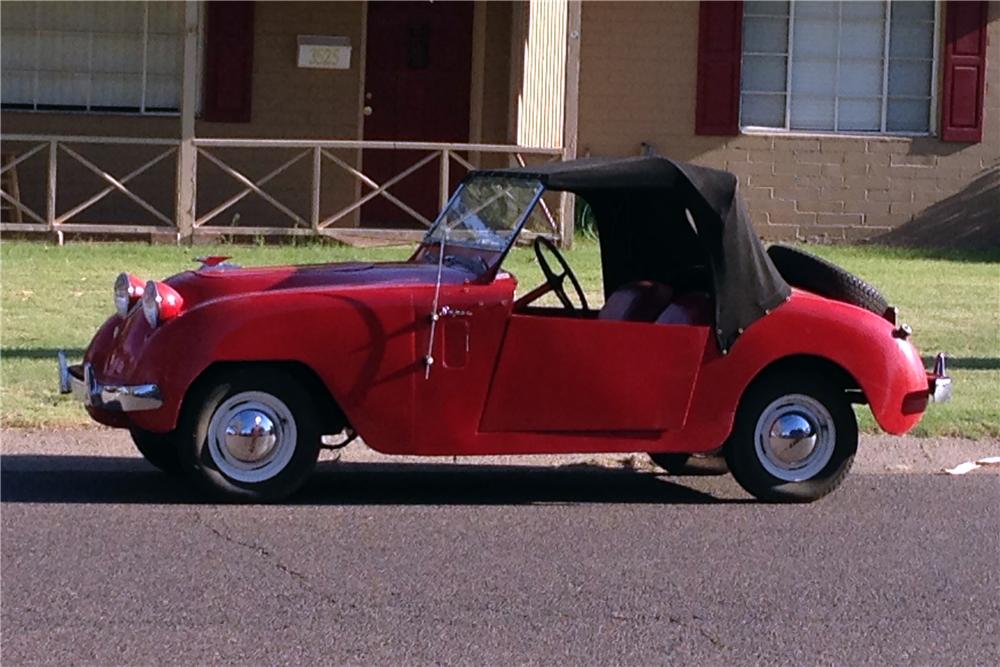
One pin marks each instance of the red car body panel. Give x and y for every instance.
(552, 363)
(501, 382)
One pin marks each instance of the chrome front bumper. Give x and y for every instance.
(80, 381)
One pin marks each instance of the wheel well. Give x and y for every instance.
(819, 366)
(334, 419)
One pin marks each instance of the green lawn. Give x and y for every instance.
(54, 298)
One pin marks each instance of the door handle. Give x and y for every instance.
(444, 311)
(448, 311)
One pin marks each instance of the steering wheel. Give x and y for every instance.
(554, 282)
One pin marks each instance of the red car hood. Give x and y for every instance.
(205, 284)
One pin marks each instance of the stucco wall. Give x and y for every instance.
(637, 84)
(496, 79)
(287, 102)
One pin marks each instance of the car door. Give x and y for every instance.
(449, 394)
(558, 374)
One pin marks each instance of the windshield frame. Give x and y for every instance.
(491, 258)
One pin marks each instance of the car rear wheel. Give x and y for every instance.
(255, 435)
(691, 464)
(794, 439)
(160, 449)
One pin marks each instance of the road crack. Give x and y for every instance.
(694, 623)
(716, 642)
(270, 558)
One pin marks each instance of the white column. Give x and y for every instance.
(187, 162)
(567, 205)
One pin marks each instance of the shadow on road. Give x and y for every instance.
(85, 479)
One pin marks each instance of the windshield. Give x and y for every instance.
(485, 213)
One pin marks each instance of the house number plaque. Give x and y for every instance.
(324, 52)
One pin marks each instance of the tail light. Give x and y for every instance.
(128, 291)
(160, 302)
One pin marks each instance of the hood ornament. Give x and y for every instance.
(215, 263)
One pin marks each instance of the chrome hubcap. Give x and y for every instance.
(795, 437)
(251, 437)
(792, 438)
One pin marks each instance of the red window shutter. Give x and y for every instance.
(228, 61)
(720, 49)
(964, 71)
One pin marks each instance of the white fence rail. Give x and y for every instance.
(60, 215)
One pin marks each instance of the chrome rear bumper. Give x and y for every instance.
(939, 390)
(79, 380)
(938, 382)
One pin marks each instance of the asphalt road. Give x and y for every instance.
(105, 561)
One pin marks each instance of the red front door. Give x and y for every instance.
(558, 374)
(417, 86)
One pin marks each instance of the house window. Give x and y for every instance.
(92, 56)
(839, 66)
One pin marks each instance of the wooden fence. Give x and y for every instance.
(55, 210)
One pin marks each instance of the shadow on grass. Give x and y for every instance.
(40, 352)
(86, 479)
(963, 255)
(967, 363)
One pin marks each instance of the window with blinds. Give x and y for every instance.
(92, 56)
(864, 66)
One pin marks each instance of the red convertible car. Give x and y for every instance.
(708, 352)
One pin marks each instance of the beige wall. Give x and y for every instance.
(291, 102)
(496, 79)
(288, 102)
(637, 84)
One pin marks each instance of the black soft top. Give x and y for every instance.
(641, 205)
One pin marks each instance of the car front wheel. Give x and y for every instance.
(160, 449)
(254, 435)
(794, 439)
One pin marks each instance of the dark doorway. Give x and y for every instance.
(417, 86)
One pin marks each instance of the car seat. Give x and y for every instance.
(642, 301)
(694, 308)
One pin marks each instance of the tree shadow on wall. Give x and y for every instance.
(967, 220)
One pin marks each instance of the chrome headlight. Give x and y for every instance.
(151, 304)
(128, 290)
(160, 302)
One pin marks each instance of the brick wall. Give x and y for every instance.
(637, 85)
